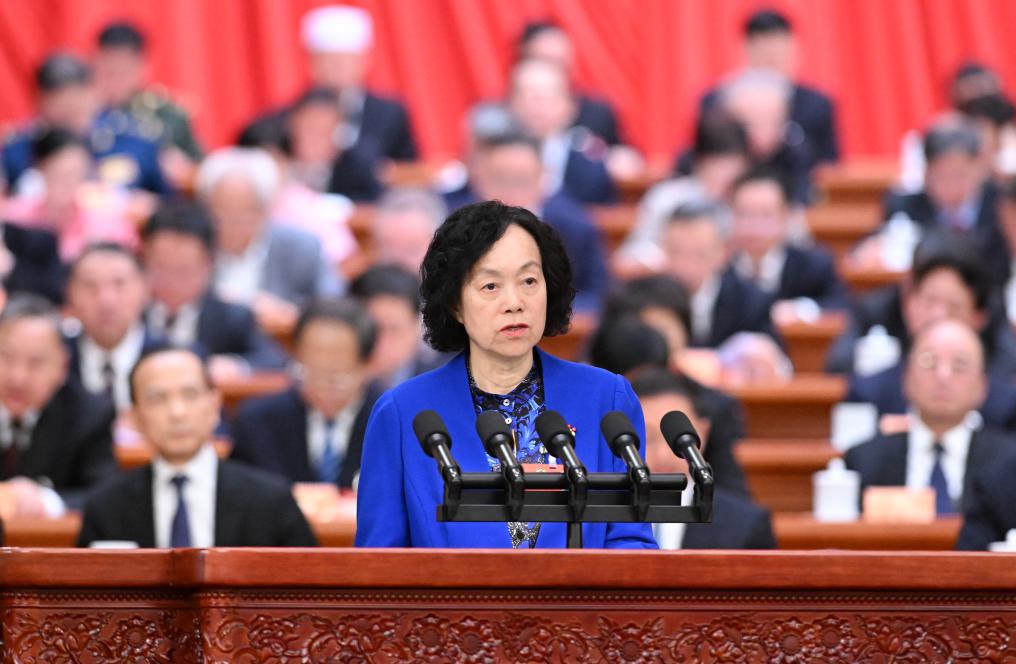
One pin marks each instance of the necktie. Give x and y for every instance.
(109, 378)
(12, 455)
(179, 533)
(331, 459)
(943, 502)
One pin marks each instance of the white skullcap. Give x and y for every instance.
(337, 29)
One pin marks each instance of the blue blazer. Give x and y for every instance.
(400, 487)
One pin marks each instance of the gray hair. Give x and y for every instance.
(756, 80)
(401, 200)
(253, 164)
(698, 209)
(27, 305)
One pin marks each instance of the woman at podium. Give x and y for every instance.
(496, 280)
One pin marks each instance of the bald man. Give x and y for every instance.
(945, 384)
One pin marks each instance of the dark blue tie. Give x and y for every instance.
(331, 459)
(179, 534)
(943, 503)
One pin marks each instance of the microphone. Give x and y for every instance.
(497, 439)
(624, 443)
(560, 442)
(437, 442)
(684, 441)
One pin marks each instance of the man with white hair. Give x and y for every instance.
(273, 269)
(337, 40)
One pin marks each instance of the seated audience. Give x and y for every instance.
(55, 438)
(317, 160)
(273, 269)
(391, 296)
(989, 510)
(946, 443)
(738, 522)
(337, 41)
(722, 303)
(507, 167)
(178, 253)
(541, 99)
(719, 156)
(121, 71)
(404, 223)
(763, 253)
(30, 262)
(947, 279)
(76, 210)
(958, 195)
(187, 497)
(770, 43)
(67, 100)
(107, 295)
(647, 330)
(313, 431)
(1007, 224)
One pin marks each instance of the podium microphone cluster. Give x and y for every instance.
(437, 443)
(684, 442)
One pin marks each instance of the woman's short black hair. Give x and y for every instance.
(464, 237)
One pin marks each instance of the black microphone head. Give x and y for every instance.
(614, 425)
(489, 425)
(425, 425)
(550, 425)
(676, 424)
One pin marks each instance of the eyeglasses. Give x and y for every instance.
(959, 366)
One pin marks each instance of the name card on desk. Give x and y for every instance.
(893, 504)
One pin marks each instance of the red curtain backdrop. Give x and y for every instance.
(886, 62)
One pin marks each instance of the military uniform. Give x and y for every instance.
(157, 118)
(123, 156)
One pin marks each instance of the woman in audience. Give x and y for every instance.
(496, 280)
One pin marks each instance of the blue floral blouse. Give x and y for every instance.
(520, 409)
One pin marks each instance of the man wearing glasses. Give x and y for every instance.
(313, 431)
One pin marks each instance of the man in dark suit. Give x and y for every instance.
(738, 522)
(946, 444)
(990, 508)
(36, 262)
(769, 43)
(391, 295)
(187, 496)
(106, 294)
(947, 279)
(958, 196)
(722, 303)
(507, 167)
(313, 432)
(178, 252)
(55, 438)
(337, 40)
(760, 202)
(541, 99)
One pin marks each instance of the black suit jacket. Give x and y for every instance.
(271, 433)
(885, 391)
(225, 328)
(726, 429)
(353, 176)
(740, 307)
(812, 273)
(990, 509)
(738, 523)
(597, 115)
(586, 179)
(385, 124)
(252, 508)
(37, 267)
(73, 344)
(71, 444)
(882, 461)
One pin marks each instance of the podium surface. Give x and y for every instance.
(273, 605)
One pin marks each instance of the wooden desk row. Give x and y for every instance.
(270, 605)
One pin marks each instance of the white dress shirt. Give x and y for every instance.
(555, 152)
(238, 278)
(767, 274)
(343, 427)
(702, 304)
(921, 455)
(198, 494)
(670, 536)
(183, 331)
(1010, 295)
(122, 359)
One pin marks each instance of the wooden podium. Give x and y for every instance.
(271, 605)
